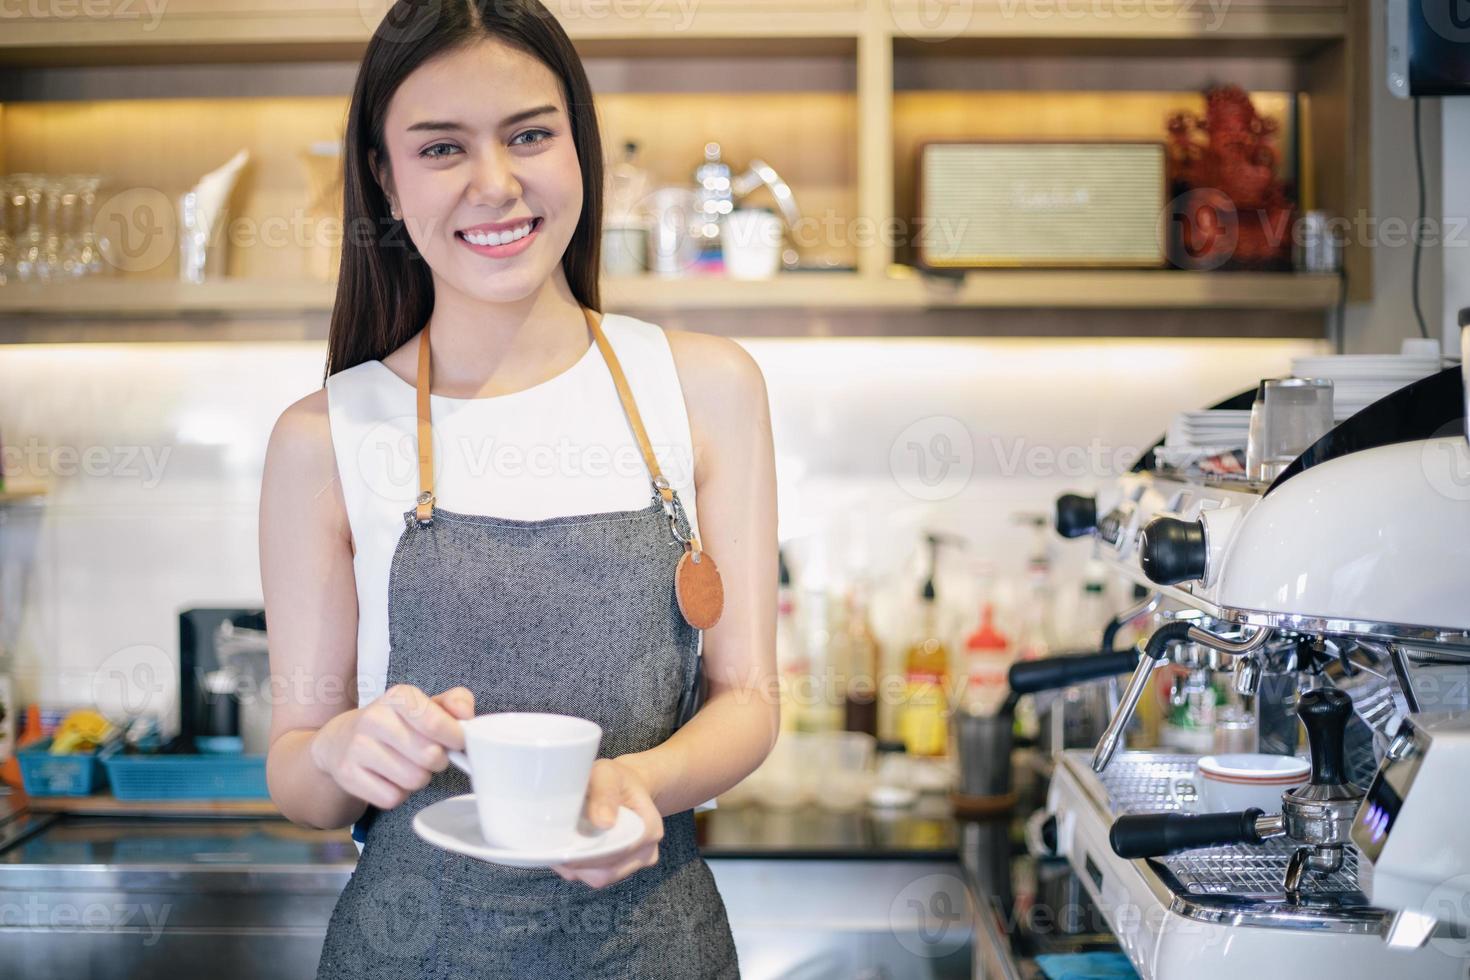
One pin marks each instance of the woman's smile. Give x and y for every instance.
(485, 243)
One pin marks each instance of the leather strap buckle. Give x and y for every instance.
(425, 509)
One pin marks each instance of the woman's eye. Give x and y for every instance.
(430, 151)
(533, 132)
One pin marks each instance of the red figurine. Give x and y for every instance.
(1229, 208)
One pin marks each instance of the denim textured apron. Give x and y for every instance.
(575, 615)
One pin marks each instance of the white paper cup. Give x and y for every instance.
(529, 771)
(1241, 780)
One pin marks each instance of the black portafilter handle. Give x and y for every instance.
(1143, 835)
(1050, 673)
(1171, 551)
(1076, 515)
(1325, 713)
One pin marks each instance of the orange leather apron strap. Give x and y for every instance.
(425, 508)
(425, 434)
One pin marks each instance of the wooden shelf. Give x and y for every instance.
(1182, 21)
(988, 289)
(1125, 289)
(266, 31)
(900, 54)
(105, 804)
(121, 296)
(225, 31)
(18, 491)
(985, 289)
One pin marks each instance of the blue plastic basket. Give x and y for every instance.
(187, 777)
(44, 774)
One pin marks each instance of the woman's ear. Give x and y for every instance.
(384, 176)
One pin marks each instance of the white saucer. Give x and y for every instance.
(454, 825)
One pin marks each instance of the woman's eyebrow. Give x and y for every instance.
(440, 125)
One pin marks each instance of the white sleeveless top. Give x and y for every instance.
(562, 447)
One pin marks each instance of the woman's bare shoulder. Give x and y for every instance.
(300, 464)
(303, 427)
(719, 377)
(725, 397)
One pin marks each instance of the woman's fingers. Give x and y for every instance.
(382, 759)
(600, 877)
(458, 701)
(371, 788)
(604, 794)
(387, 725)
(426, 716)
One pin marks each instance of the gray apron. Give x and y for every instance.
(571, 614)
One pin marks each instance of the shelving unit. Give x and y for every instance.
(105, 804)
(994, 289)
(21, 491)
(833, 93)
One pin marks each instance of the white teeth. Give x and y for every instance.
(497, 238)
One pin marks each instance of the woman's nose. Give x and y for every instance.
(493, 180)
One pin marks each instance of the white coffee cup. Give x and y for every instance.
(1241, 780)
(529, 771)
(750, 240)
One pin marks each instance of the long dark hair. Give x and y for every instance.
(385, 292)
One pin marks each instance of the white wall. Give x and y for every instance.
(163, 516)
(1378, 326)
(1455, 167)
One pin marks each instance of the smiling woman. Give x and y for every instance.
(400, 570)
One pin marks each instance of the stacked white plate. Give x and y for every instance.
(1195, 435)
(1216, 429)
(1358, 380)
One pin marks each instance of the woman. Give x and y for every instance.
(512, 540)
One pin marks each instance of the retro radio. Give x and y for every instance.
(1040, 203)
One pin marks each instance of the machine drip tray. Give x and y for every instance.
(1230, 876)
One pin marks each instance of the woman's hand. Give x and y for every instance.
(614, 784)
(385, 751)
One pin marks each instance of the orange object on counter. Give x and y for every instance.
(10, 768)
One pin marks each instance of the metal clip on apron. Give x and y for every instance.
(578, 614)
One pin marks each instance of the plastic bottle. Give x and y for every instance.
(791, 662)
(627, 185)
(863, 658)
(923, 723)
(988, 658)
(1092, 613)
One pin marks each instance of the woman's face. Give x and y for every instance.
(468, 148)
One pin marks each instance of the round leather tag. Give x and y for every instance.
(698, 589)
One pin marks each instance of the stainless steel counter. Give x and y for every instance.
(809, 891)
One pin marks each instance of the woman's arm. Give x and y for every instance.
(735, 483)
(311, 610)
(328, 758)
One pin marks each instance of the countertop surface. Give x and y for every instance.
(925, 831)
(259, 858)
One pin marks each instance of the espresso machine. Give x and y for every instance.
(1336, 599)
